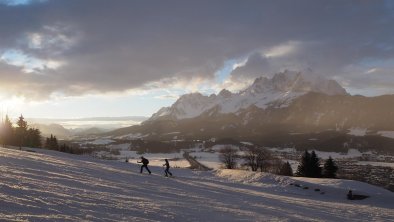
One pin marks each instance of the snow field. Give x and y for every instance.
(356, 131)
(52, 186)
(157, 159)
(389, 134)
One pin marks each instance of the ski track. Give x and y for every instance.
(48, 186)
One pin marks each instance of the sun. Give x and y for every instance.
(11, 105)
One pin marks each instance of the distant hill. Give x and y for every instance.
(90, 120)
(65, 128)
(89, 131)
(55, 129)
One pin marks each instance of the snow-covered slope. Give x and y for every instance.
(278, 91)
(52, 186)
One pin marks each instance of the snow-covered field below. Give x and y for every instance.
(52, 186)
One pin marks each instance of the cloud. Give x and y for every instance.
(373, 70)
(255, 65)
(281, 50)
(81, 47)
(27, 63)
(20, 2)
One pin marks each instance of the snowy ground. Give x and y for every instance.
(356, 131)
(157, 159)
(389, 134)
(382, 164)
(208, 159)
(47, 186)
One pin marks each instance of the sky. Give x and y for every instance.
(72, 58)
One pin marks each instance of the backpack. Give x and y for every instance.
(145, 161)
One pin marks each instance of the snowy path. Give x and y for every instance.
(47, 186)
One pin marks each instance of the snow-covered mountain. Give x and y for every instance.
(277, 92)
(289, 109)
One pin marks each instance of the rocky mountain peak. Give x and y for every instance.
(280, 90)
(225, 93)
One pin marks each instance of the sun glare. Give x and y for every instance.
(11, 106)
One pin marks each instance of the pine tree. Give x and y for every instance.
(330, 168)
(2, 133)
(7, 131)
(47, 143)
(309, 165)
(302, 169)
(21, 131)
(51, 143)
(286, 169)
(314, 166)
(55, 144)
(33, 138)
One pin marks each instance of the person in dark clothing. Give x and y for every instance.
(350, 195)
(145, 163)
(167, 170)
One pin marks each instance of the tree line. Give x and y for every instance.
(19, 135)
(262, 159)
(52, 143)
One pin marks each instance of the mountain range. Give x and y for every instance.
(68, 128)
(289, 110)
(277, 92)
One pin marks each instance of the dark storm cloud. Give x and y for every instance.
(119, 45)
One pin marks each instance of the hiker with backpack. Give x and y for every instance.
(145, 163)
(167, 170)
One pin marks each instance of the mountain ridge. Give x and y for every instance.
(278, 91)
(311, 121)
(300, 118)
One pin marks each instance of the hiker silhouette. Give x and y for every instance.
(145, 163)
(167, 170)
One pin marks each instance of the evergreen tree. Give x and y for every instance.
(51, 143)
(55, 144)
(6, 132)
(286, 169)
(47, 143)
(314, 166)
(2, 132)
(302, 169)
(330, 168)
(309, 165)
(33, 138)
(21, 131)
(19, 136)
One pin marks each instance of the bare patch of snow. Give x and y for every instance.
(101, 142)
(372, 163)
(284, 150)
(389, 134)
(247, 143)
(210, 160)
(357, 131)
(131, 136)
(352, 153)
